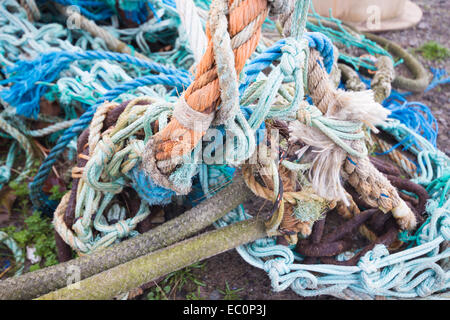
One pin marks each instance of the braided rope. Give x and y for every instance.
(203, 94)
(39, 199)
(362, 175)
(399, 158)
(193, 26)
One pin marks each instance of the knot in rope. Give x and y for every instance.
(306, 113)
(339, 131)
(368, 263)
(294, 56)
(306, 281)
(84, 233)
(278, 265)
(122, 229)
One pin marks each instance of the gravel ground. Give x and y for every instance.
(435, 26)
(230, 267)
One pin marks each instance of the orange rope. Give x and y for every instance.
(203, 94)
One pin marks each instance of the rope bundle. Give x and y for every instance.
(155, 148)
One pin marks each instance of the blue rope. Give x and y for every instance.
(149, 191)
(26, 91)
(438, 78)
(40, 200)
(417, 116)
(315, 40)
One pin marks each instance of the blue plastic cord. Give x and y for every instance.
(26, 76)
(438, 78)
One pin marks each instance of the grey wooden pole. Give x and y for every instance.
(132, 274)
(37, 283)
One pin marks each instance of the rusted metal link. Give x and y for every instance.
(387, 239)
(325, 249)
(349, 226)
(318, 230)
(63, 250)
(378, 221)
(385, 167)
(407, 185)
(315, 238)
(332, 244)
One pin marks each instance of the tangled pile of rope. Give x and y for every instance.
(283, 116)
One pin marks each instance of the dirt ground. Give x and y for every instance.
(230, 267)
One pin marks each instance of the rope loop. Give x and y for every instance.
(277, 265)
(306, 281)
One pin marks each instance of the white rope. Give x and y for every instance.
(190, 118)
(193, 25)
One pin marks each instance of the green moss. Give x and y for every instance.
(20, 188)
(35, 267)
(310, 210)
(433, 51)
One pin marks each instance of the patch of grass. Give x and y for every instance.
(174, 282)
(180, 278)
(159, 293)
(433, 51)
(230, 294)
(195, 295)
(38, 233)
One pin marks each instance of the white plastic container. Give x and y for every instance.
(360, 10)
(372, 15)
